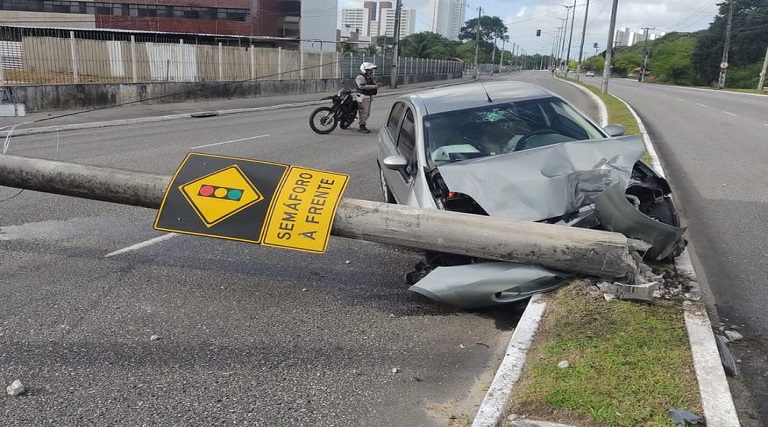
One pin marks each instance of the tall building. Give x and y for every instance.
(271, 18)
(448, 17)
(371, 6)
(387, 22)
(622, 37)
(355, 20)
(636, 37)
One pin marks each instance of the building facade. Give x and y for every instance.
(355, 20)
(270, 18)
(621, 37)
(387, 22)
(448, 17)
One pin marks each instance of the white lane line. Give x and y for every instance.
(679, 99)
(137, 246)
(730, 114)
(765, 124)
(701, 105)
(229, 142)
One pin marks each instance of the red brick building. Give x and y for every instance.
(271, 18)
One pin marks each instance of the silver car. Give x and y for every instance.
(515, 150)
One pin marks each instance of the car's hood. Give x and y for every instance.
(545, 182)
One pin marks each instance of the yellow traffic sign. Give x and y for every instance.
(303, 211)
(220, 195)
(252, 201)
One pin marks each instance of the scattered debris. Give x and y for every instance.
(347, 262)
(726, 357)
(682, 417)
(563, 364)
(303, 289)
(395, 370)
(16, 388)
(154, 337)
(630, 292)
(733, 336)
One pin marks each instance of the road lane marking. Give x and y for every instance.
(730, 114)
(144, 244)
(679, 99)
(229, 142)
(701, 105)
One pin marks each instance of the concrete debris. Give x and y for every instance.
(154, 337)
(630, 292)
(16, 388)
(563, 364)
(609, 297)
(733, 336)
(726, 357)
(682, 417)
(518, 421)
(395, 370)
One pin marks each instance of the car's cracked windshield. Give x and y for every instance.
(497, 129)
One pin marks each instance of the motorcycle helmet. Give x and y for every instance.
(365, 66)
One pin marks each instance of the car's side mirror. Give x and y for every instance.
(396, 162)
(615, 130)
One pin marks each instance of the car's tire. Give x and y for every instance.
(385, 192)
(326, 121)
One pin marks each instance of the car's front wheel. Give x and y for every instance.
(388, 197)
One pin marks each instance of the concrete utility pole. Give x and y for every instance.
(570, 38)
(581, 48)
(579, 250)
(501, 54)
(396, 50)
(645, 54)
(726, 47)
(609, 49)
(477, 37)
(762, 73)
(565, 31)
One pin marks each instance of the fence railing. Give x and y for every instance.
(43, 56)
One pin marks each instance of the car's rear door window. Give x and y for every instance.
(406, 140)
(395, 116)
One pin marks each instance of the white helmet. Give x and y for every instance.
(365, 66)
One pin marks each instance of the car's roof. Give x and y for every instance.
(459, 97)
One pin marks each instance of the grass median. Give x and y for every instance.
(628, 363)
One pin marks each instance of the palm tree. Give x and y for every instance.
(424, 45)
(371, 50)
(347, 47)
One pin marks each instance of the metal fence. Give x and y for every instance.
(44, 56)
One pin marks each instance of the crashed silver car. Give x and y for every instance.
(515, 150)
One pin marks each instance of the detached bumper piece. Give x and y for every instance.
(486, 284)
(616, 213)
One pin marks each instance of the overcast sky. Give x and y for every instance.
(524, 17)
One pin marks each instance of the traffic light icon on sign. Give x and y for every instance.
(233, 194)
(538, 33)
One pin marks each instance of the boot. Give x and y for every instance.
(363, 129)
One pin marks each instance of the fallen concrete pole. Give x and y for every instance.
(563, 248)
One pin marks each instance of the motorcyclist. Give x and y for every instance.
(367, 88)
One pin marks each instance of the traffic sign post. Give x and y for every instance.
(252, 201)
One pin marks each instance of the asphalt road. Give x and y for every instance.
(713, 148)
(107, 322)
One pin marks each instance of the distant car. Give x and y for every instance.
(590, 73)
(515, 150)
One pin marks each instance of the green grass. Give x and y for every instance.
(629, 363)
(618, 113)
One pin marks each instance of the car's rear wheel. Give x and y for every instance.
(388, 197)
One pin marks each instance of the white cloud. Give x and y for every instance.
(524, 17)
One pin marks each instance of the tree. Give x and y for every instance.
(425, 45)
(347, 47)
(371, 50)
(670, 58)
(749, 32)
(491, 28)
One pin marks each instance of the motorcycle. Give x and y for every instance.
(342, 113)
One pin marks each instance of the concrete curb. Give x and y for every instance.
(491, 410)
(214, 113)
(716, 398)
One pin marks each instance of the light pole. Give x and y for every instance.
(609, 49)
(645, 54)
(581, 48)
(477, 38)
(570, 38)
(567, 12)
(726, 48)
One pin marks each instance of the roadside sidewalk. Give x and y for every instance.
(142, 112)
